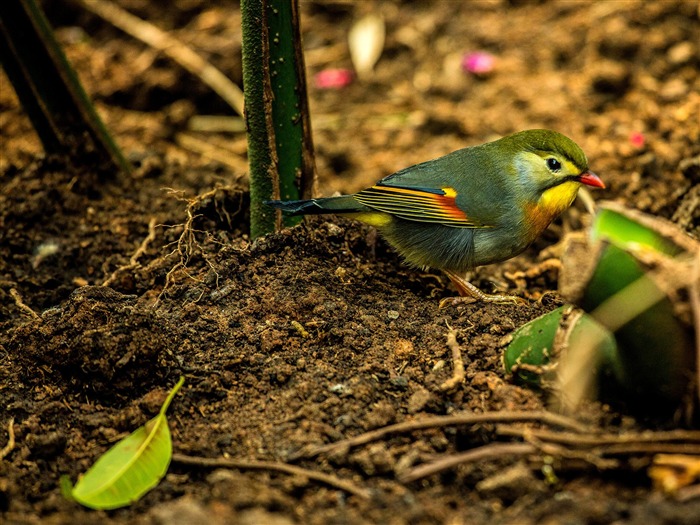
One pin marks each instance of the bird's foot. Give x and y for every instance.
(470, 293)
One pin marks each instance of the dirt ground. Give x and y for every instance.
(319, 333)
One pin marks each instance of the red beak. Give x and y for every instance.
(591, 179)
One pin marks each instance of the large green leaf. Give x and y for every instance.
(628, 233)
(131, 467)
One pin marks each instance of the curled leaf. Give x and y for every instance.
(366, 42)
(631, 275)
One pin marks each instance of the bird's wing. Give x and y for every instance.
(418, 204)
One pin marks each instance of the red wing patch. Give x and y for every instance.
(417, 204)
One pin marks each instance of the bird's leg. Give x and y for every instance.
(470, 293)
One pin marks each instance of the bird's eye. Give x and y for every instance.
(553, 164)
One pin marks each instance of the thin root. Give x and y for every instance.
(458, 373)
(9, 447)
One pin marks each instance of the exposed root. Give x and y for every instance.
(9, 447)
(187, 244)
(458, 373)
(22, 305)
(133, 260)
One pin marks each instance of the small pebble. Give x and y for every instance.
(338, 388)
(418, 400)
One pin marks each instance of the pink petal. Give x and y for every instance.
(478, 62)
(333, 78)
(637, 139)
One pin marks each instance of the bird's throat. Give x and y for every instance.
(552, 203)
(557, 199)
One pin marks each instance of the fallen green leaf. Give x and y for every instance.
(531, 348)
(536, 346)
(131, 467)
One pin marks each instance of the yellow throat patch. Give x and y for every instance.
(552, 203)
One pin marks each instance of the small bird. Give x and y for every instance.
(475, 206)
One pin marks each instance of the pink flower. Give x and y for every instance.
(637, 139)
(333, 78)
(478, 62)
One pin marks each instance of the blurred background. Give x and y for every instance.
(621, 78)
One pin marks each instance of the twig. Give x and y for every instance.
(593, 448)
(587, 200)
(547, 418)
(21, 304)
(172, 47)
(520, 278)
(216, 124)
(560, 451)
(490, 451)
(626, 449)
(458, 373)
(133, 260)
(595, 440)
(687, 493)
(321, 477)
(9, 447)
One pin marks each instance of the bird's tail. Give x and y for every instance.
(341, 204)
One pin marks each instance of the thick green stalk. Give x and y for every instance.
(289, 101)
(49, 89)
(258, 97)
(280, 150)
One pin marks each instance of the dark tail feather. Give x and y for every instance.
(342, 204)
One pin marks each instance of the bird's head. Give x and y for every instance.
(550, 169)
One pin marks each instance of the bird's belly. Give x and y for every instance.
(497, 245)
(455, 249)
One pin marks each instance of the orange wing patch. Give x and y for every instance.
(418, 204)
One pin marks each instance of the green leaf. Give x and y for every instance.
(532, 345)
(131, 467)
(630, 234)
(536, 346)
(629, 276)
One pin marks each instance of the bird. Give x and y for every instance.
(475, 206)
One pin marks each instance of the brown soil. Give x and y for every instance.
(93, 362)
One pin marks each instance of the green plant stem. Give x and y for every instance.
(258, 96)
(290, 113)
(50, 91)
(280, 149)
